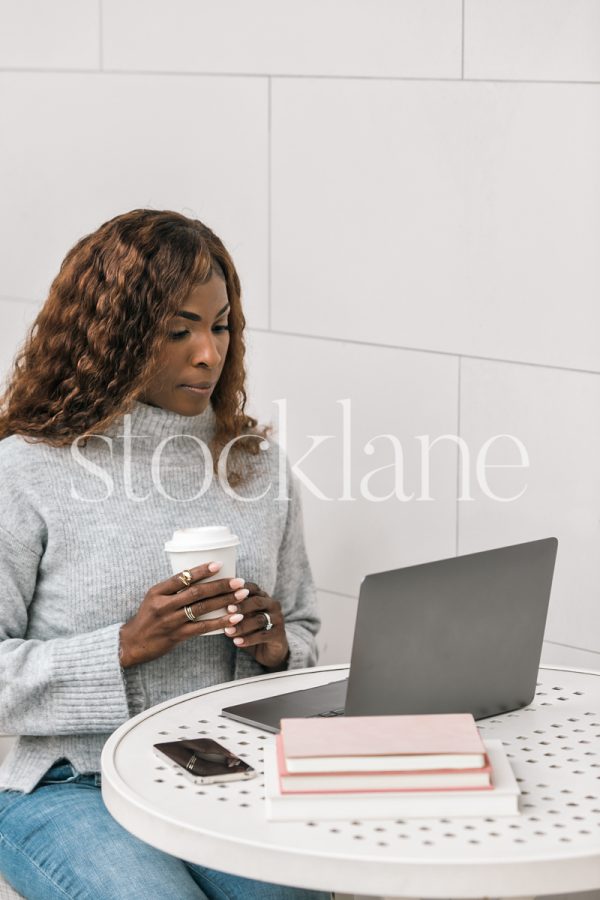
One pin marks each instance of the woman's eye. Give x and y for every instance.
(178, 335)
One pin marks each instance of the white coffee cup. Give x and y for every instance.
(191, 547)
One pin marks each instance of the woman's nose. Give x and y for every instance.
(205, 351)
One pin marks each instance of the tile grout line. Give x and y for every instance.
(458, 453)
(572, 647)
(283, 75)
(450, 353)
(335, 593)
(319, 337)
(462, 44)
(269, 202)
(100, 37)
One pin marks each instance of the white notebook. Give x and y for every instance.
(503, 800)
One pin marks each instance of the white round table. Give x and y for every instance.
(553, 846)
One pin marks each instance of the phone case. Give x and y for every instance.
(204, 761)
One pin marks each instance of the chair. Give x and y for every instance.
(7, 893)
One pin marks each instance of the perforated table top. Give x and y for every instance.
(553, 846)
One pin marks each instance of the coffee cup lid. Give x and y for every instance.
(211, 537)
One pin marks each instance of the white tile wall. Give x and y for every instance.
(338, 615)
(552, 40)
(16, 317)
(561, 655)
(555, 415)
(401, 38)
(112, 143)
(444, 216)
(439, 215)
(63, 34)
(391, 392)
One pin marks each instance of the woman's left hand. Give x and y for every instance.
(248, 620)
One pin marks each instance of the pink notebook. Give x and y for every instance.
(454, 733)
(358, 782)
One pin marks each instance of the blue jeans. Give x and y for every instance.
(60, 841)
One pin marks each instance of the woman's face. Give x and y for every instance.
(195, 352)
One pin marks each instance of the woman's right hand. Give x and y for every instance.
(161, 623)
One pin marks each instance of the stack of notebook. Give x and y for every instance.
(387, 767)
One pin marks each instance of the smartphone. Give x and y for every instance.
(204, 761)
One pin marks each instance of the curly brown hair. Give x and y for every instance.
(95, 343)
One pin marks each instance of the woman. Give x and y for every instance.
(124, 420)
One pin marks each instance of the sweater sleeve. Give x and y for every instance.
(61, 685)
(294, 587)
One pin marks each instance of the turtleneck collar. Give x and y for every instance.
(159, 423)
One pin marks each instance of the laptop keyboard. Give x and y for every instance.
(328, 714)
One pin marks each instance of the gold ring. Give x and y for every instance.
(185, 577)
(188, 611)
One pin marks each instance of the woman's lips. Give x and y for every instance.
(197, 390)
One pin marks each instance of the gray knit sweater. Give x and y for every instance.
(81, 541)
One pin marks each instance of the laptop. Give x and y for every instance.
(456, 635)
